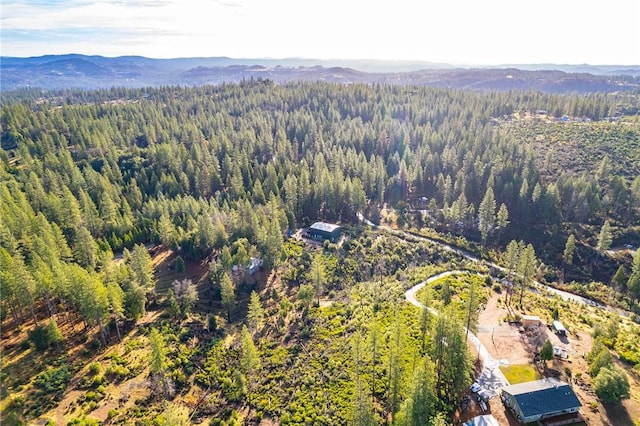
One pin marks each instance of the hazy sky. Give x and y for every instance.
(453, 31)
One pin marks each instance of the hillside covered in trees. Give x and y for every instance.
(95, 185)
(98, 72)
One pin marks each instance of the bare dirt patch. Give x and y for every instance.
(502, 340)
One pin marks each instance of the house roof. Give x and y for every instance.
(543, 396)
(323, 226)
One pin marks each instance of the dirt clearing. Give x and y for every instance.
(503, 341)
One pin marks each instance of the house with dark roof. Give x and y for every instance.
(541, 400)
(325, 231)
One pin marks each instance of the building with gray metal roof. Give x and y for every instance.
(325, 231)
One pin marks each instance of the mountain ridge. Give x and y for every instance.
(94, 71)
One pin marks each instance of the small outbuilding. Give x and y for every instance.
(484, 420)
(251, 268)
(255, 265)
(559, 329)
(530, 321)
(541, 399)
(560, 352)
(325, 231)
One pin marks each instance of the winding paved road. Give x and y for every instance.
(565, 295)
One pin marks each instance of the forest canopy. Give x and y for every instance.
(219, 174)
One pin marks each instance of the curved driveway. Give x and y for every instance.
(491, 377)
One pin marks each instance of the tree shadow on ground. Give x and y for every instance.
(618, 415)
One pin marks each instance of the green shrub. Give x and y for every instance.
(630, 357)
(95, 395)
(612, 385)
(45, 336)
(17, 403)
(568, 372)
(235, 387)
(600, 361)
(119, 372)
(95, 344)
(99, 380)
(130, 345)
(95, 368)
(212, 325)
(53, 380)
(179, 378)
(40, 338)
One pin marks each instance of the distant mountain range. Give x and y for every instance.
(91, 72)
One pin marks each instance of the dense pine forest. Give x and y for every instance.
(128, 218)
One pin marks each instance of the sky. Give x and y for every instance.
(461, 32)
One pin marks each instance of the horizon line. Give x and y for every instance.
(302, 58)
